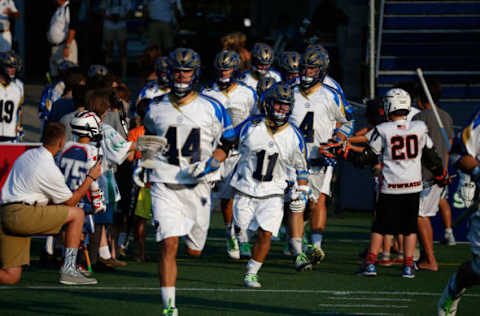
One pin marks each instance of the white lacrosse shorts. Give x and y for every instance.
(429, 199)
(180, 210)
(251, 213)
(320, 180)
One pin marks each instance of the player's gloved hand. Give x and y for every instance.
(443, 179)
(201, 168)
(98, 201)
(299, 198)
(140, 176)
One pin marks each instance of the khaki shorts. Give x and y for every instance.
(20, 221)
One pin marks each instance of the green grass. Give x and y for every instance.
(212, 285)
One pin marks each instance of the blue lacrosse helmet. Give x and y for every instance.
(262, 54)
(280, 93)
(312, 58)
(183, 59)
(97, 70)
(226, 60)
(161, 70)
(290, 66)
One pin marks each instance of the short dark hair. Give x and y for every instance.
(435, 91)
(79, 96)
(52, 132)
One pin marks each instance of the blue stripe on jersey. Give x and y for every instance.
(476, 119)
(301, 139)
(251, 89)
(242, 128)
(222, 116)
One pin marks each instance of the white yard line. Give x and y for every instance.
(232, 290)
(370, 299)
(363, 305)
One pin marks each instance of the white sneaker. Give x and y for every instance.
(245, 250)
(250, 280)
(74, 277)
(449, 238)
(233, 249)
(448, 302)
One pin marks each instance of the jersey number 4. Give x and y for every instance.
(6, 111)
(191, 147)
(306, 127)
(404, 147)
(272, 160)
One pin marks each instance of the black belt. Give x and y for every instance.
(6, 138)
(11, 203)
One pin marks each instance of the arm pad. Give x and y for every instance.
(432, 161)
(362, 159)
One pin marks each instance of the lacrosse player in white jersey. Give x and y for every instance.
(159, 87)
(262, 60)
(403, 146)
(199, 133)
(268, 145)
(263, 85)
(11, 99)
(239, 100)
(466, 156)
(316, 112)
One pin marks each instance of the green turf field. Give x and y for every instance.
(212, 285)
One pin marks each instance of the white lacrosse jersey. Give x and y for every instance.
(193, 130)
(75, 160)
(266, 156)
(413, 111)
(238, 101)
(316, 113)
(251, 80)
(400, 144)
(150, 91)
(11, 99)
(471, 137)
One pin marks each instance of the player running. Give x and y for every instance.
(268, 146)
(239, 101)
(199, 133)
(316, 112)
(466, 156)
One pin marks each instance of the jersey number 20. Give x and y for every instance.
(404, 147)
(191, 147)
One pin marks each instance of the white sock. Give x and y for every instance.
(70, 258)
(242, 236)
(317, 240)
(386, 255)
(448, 230)
(296, 245)
(122, 238)
(253, 266)
(104, 252)
(230, 230)
(168, 296)
(50, 245)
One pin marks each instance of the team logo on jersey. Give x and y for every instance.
(270, 144)
(179, 119)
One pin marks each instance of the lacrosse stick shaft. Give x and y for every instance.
(434, 107)
(87, 258)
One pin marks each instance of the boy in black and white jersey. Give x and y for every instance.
(403, 145)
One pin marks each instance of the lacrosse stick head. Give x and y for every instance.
(149, 146)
